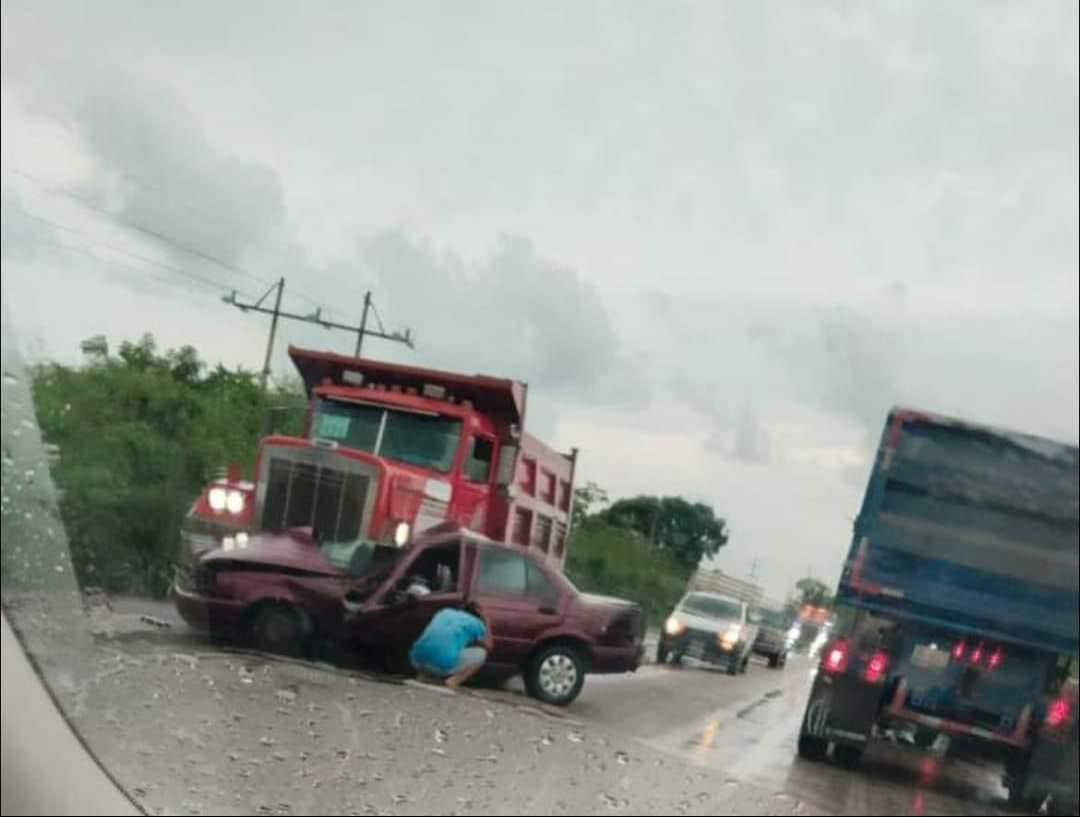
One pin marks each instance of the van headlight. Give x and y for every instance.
(401, 533)
(673, 626)
(730, 638)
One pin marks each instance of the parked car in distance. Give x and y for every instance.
(709, 627)
(773, 636)
(283, 592)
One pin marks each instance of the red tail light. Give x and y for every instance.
(836, 655)
(996, 657)
(875, 668)
(977, 654)
(958, 651)
(1058, 713)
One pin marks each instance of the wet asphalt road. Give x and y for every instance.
(746, 727)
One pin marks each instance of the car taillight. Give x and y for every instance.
(875, 667)
(1058, 713)
(836, 656)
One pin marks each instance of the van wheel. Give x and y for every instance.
(555, 675)
(849, 756)
(277, 627)
(811, 748)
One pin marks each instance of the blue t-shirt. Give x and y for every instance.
(441, 643)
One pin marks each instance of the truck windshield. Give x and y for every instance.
(702, 604)
(426, 440)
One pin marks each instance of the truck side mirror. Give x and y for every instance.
(507, 461)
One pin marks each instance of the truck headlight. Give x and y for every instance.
(218, 498)
(673, 626)
(401, 533)
(235, 501)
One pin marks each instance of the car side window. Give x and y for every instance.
(502, 572)
(478, 462)
(540, 586)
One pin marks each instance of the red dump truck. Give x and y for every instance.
(389, 451)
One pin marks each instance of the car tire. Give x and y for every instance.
(662, 655)
(774, 661)
(848, 756)
(733, 667)
(811, 748)
(556, 674)
(277, 627)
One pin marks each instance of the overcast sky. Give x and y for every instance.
(718, 239)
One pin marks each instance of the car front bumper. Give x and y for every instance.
(606, 660)
(205, 613)
(701, 646)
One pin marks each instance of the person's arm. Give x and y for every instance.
(484, 639)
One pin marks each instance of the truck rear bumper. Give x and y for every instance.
(898, 711)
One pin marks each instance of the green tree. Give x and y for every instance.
(586, 498)
(690, 531)
(138, 435)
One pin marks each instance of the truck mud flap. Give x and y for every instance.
(841, 710)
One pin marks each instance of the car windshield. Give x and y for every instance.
(702, 604)
(774, 618)
(417, 438)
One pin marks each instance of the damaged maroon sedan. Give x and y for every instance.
(284, 592)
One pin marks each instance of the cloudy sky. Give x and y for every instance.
(718, 239)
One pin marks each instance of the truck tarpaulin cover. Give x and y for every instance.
(971, 526)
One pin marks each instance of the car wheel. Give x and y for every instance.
(744, 666)
(733, 667)
(811, 748)
(277, 628)
(662, 655)
(774, 662)
(555, 675)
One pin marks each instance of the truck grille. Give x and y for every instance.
(317, 490)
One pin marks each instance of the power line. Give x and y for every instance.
(158, 236)
(217, 285)
(132, 225)
(277, 314)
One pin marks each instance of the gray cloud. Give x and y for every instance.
(746, 441)
(515, 313)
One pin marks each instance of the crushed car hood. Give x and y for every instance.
(289, 550)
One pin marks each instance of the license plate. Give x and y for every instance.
(697, 649)
(927, 657)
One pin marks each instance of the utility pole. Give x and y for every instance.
(363, 322)
(279, 286)
(316, 318)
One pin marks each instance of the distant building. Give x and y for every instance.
(717, 581)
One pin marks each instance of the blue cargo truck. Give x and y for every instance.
(956, 610)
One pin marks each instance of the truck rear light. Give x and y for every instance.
(1058, 713)
(977, 654)
(836, 658)
(959, 650)
(996, 657)
(875, 667)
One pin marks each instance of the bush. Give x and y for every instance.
(138, 436)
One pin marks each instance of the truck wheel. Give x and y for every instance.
(555, 675)
(278, 628)
(811, 748)
(849, 756)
